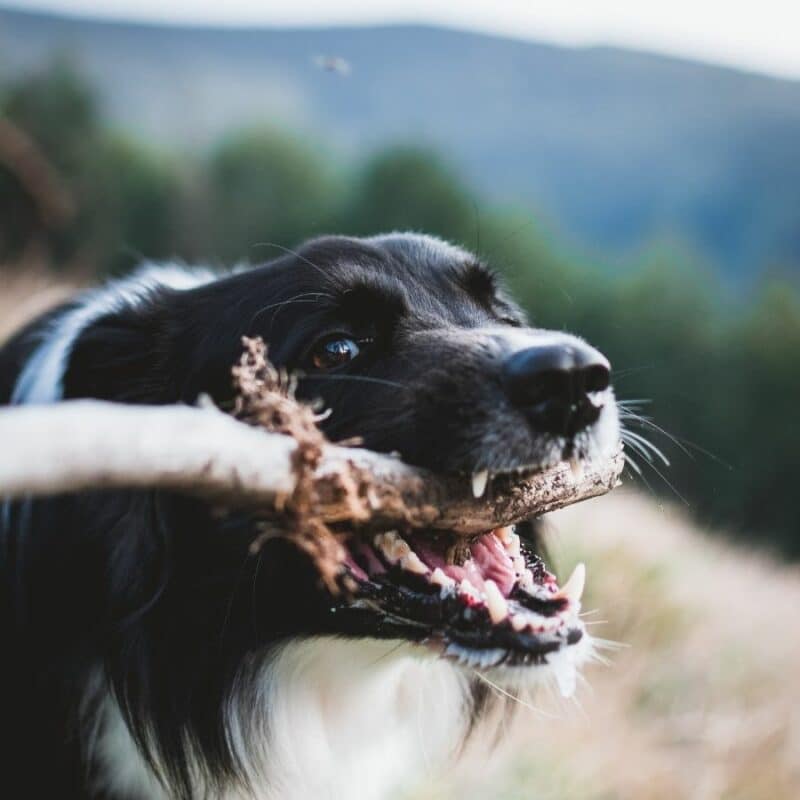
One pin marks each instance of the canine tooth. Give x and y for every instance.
(576, 468)
(479, 481)
(441, 579)
(573, 588)
(495, 602)
(413, 563)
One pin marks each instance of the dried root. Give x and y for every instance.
(266, 398)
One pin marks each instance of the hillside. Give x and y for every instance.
(615, 149)
(697, 702)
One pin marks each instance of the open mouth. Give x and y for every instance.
(486, 601)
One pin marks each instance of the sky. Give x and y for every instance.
(761, 36)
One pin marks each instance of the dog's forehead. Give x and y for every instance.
(413, 276)
(422, 251)
(404, 256)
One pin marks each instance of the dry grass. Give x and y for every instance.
(24, 293)
(702, 704)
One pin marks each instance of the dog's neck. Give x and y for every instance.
(333, 718)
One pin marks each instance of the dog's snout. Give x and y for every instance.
(554, 385)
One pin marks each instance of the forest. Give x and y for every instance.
(705, 374)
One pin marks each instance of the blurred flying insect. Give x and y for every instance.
(335, 64)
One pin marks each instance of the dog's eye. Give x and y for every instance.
(334, 352)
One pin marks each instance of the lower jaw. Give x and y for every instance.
(498, 610)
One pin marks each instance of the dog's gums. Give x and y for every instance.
(485, 602)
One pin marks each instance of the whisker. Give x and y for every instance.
(648, 445)
(674, 490)
(610, 644)
(636, 447)
(638, 470)
(516, 699)
(680, 441)
(298, 299)
(633, 465)
(365, 378)
(289, 251)
(617, 374)
(648, 423)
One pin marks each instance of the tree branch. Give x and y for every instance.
(81, 445)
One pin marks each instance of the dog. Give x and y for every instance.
(150, 654)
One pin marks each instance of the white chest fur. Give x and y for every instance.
(334, 719)
(356, 720)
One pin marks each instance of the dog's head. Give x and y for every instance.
(415, 348)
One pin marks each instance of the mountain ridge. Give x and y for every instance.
(618, 147)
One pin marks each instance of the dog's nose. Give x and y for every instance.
(554, 384)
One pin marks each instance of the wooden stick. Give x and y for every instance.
(82, 445)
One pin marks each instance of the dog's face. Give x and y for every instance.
(416, 349)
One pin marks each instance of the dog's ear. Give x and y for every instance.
(121, 357)
(170, 347)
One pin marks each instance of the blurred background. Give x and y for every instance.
(635, 176)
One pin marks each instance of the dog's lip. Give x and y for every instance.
(495, 606)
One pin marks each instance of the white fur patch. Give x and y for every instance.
(342, 719)
(358, 719)
(122, 770)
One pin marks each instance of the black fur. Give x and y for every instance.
(152, 595)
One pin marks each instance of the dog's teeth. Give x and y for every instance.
(573, 588)
(411, 562)
(495, 602)
(392, 545)
(479, 481)
(513, 546)
(576, 468)
(441, 579)
(509, 539)
(465, 587)
(504, 534)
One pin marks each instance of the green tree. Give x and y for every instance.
(130, 205)
(56, 107)
(407, 188)
(265, 187)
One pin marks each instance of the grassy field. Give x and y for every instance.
(701, 702)
(25, 294)
(702, 699)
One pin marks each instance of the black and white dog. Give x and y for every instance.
(147, 653)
